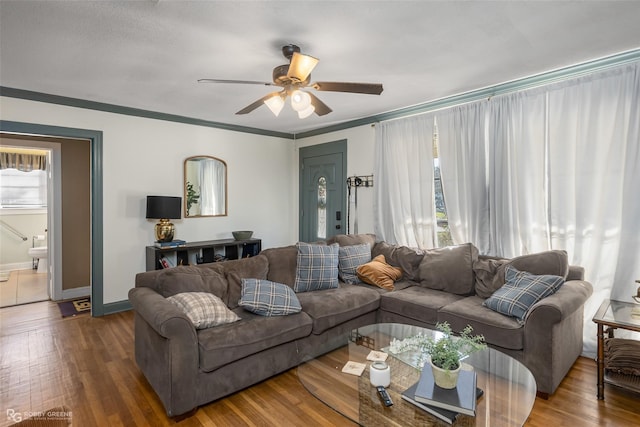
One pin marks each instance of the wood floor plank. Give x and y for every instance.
(88, 365)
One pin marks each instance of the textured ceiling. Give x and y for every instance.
(150, 54)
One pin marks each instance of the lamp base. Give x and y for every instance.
(164, 231)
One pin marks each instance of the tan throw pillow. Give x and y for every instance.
(379, 273)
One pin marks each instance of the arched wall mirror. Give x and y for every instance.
(205, 187)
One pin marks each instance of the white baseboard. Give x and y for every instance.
(83, 291)
(16, 266)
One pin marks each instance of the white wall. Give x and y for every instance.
(360, 161)
(145, 157)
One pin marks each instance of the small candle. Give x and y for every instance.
(380, 374)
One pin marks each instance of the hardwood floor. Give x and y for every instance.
(87, 364)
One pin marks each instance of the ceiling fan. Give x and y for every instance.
(293, 78)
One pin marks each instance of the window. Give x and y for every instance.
(23, 189)
(444, 234)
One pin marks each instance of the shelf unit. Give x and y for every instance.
(205, 251)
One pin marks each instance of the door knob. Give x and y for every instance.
(338, 227)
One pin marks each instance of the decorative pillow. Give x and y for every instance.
(406, 258)
(268, 298)
(317, 267)
(204, 309)
(521, 291)
(379, 273)
(622, 356)
(449, 269)
(350, 258)
(554, 262)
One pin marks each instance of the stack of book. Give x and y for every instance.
(444, 404)
(175, 243)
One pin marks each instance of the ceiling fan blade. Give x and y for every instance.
(246, 82)
(320, 107)
(301, 66)
(366, 88)
(249, 108)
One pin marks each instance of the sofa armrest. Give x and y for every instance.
(164, 317)
(553, 334)
(166, 349)
(570, 297)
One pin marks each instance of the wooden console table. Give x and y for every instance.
(206, 251)
(614, 315)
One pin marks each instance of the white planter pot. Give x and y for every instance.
(445, 378)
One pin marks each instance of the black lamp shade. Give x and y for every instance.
(164, 207)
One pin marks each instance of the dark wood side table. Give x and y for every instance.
(614, 315)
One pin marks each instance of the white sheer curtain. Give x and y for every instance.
(594, 176)
(462, 154)
(212, 195)
(404, 203)
(517, 183)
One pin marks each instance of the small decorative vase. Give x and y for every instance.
(445, 378)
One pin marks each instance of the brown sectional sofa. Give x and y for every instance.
(188, 367)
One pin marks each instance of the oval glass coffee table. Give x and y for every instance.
(509, 387)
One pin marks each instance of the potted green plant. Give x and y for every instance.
(192, 197)
(446, 350)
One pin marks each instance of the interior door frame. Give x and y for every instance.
(334, 147)
(95, 140)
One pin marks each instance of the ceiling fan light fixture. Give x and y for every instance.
(275, 104)
(306, 112)
(300, 100)
(301, 66)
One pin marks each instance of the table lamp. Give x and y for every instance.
(164, 208)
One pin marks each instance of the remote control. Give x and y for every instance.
(384, 396)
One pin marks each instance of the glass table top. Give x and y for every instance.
(619, 313)
(509, 387)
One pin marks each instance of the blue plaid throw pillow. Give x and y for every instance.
(349, 259)
(521, 291)
(317, 267)
(268, 298)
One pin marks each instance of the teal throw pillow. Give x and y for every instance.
(317, 267)
(268, 298)
(521, 291)
(349, 259)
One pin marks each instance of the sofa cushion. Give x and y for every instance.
(349, 259)
(498, 330)
(282, 264)
(331, 307)
(317, 267)
(253, 334)
(553, 262)
(418, 303)
(255, 267)
(485, 271)
(407, 259)
(449, 269)
(352, 239)
(379, 273)
(192, 279)
(205, 310)
(521, 291)
(268, 298)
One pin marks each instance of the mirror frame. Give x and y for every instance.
(226, 188)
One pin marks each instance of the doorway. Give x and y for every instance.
(322, 191)
(86, 257)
